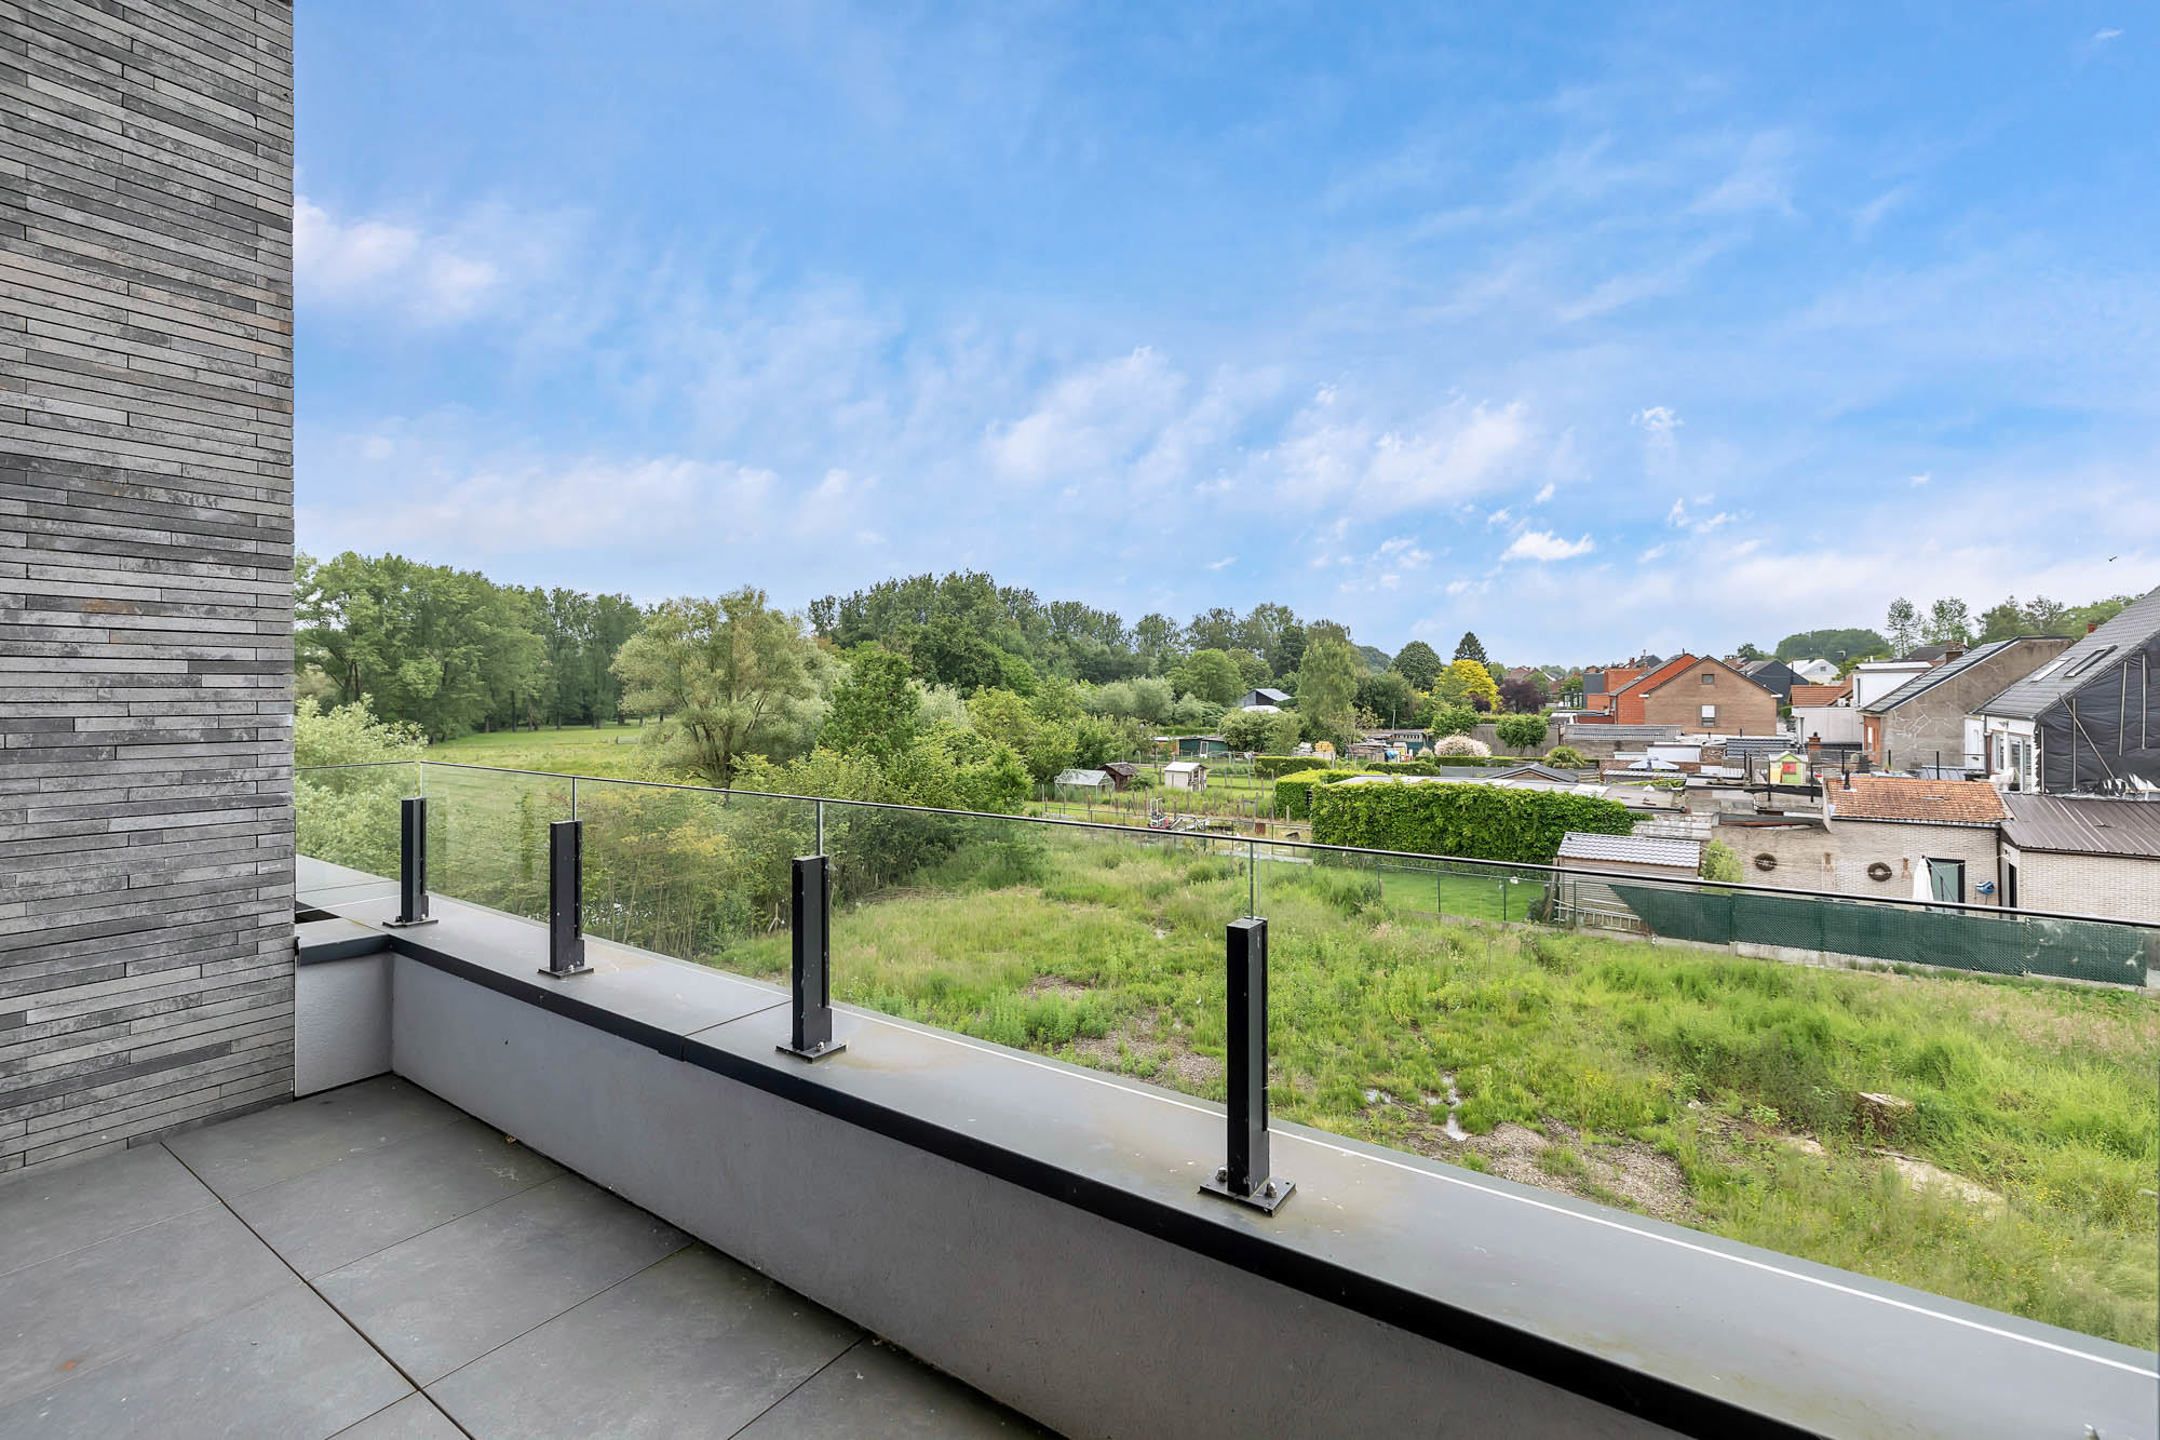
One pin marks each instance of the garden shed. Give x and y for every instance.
(1184, 775)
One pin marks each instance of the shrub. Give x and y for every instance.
(1521, 732)
(1567, 757)
(1720, 862)
(1480, 822)
(1293, 793)
(1461, 745)
(1269, 767)
(1453, 720)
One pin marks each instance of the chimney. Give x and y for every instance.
(1814, 747)
(2091, 625)
(1952, 653)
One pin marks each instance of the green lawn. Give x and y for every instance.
(1720, 1092)
(606, 750)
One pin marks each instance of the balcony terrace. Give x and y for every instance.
(370, 1262)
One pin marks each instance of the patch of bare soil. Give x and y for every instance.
(1919, 1174)
(1147, 1046)
(1640, 1176)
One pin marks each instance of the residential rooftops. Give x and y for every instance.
(1632, 850)
(1903, 798)
(2084, 825)
(2089, 657)
(1927, 680)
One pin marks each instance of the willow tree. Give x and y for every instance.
(730, 677)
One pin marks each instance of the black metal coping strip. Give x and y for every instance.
(1566, 1367)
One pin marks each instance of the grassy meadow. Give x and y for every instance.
(1719, 1092)
(610, 751)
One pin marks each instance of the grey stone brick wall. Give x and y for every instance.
(145, 567)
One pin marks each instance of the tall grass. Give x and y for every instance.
(1744, 1074)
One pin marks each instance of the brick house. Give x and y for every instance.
(2082, 856)
(1697, 693)
(1881, 835)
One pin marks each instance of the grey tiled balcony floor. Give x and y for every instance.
(372, 1262)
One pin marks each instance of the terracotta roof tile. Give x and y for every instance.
(1805, 694)
(1902, 797)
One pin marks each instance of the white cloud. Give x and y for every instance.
(1680, 517)
(382, 265)
(2105, 34)
(1454, 453)
(1760, 179)
(1388, 565)
(1659, 420)
(1868, 216)
(1543, 546)
(1090, 419)
(1223, 564)
(527, 504)
(1545, 493)
(1921, 479)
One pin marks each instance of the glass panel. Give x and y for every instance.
(701, 875)
(488, 835)
(347, 815)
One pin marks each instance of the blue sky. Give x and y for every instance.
(1588, 328)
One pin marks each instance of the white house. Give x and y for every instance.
(1816, 672)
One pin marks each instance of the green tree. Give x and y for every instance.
(1902, 623)
(731, 677)
(1327, 682)
(1466, 682)
(1949, 622)
(1388, 697)
(1854, 644)
(445, 650)
(1470, 648)
(1210, 674)
(2045, 615)
(1720, 862)
(1419, 663)
(2004, 621)
(1521, 732)
(877, 709)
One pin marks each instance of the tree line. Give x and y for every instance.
(449, 651)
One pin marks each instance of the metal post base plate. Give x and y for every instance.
(408, 924)
(565, 974)
(1265, 1198)
(815, 1052)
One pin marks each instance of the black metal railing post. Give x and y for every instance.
(1246, 1178)
(810, 997)
(566, 900)
(412, 864)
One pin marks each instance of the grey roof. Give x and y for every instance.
(1540, 772)
(1927, 680)
(1770, 746)
(2080, 826)
(1627, 732)
(1272, 694)
(1631, 849)
(2067, 673)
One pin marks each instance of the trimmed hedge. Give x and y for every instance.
(1293, 793)
(1479, 822)
(1271, 767)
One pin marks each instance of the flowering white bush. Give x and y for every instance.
(1461, 745)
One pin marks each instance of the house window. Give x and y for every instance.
(1709, 677)
(1946, 880)
(1709, 712)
